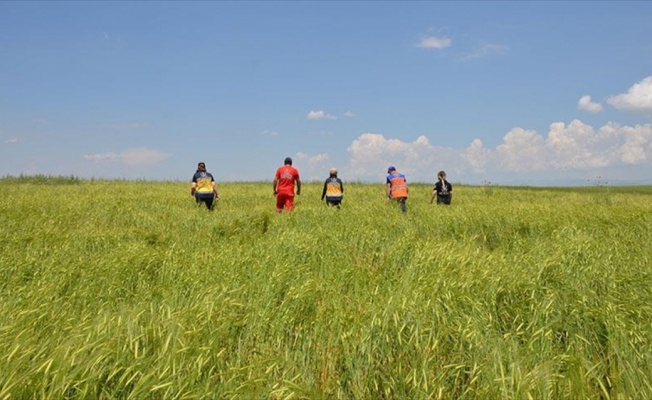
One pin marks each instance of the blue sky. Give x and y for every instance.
(507, 92)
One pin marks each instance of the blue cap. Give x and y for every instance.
(390, 169)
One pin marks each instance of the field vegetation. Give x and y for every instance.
(128, 290)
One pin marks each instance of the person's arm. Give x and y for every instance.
(389, 190)
(323, 192)
(217, 195)
(433, 195)
(193, 187)
(298, 186)
(274, 184)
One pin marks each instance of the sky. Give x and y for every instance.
(511, 93)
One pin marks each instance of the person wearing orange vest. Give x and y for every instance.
(397, 187)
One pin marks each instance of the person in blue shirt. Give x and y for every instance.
(203, 187)
(333, 189)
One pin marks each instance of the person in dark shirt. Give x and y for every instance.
(203, 187)
(333, 189)
(443, 190)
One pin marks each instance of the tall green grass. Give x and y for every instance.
(118, 289)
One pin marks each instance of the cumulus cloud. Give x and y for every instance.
(11, 140)
(476, 156)
(371, 154)
(637, 145)
(566, 147)
(434, 42)
(637, 99)
(316, 115)
(576, 146)
(349, 114)
(135, 156)
(521, 150)
(586, 104)
(579, 146)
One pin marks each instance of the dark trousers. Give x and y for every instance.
(206, 198)
(401, 202)
(444, 199)
(333, 201)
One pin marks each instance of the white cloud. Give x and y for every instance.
(637, 146)
(586, 104)
(435, 42)
(315, 115)
(576, 146)
(637, 99)
(522, 150)
(11, 140)
(349, 114)
(476, 155)
(135, 156)
(269, 133)
(371, 154)
(522, 153)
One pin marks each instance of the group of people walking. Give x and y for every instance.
(397, 188)
(287, 179)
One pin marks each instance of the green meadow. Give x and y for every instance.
(128, 290)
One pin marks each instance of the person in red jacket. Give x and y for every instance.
(284, 181)
(397, 188)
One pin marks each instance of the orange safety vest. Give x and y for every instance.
(398, 186)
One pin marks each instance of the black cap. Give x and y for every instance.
(288, 161)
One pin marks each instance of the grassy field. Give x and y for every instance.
(126, 289)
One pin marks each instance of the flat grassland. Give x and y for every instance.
(127, 289)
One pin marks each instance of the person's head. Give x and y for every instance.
(201, 167)
(441, 175)
(332, 172)
(391, 169)
(287, 161)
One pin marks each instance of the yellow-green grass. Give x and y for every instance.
(123, 289)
